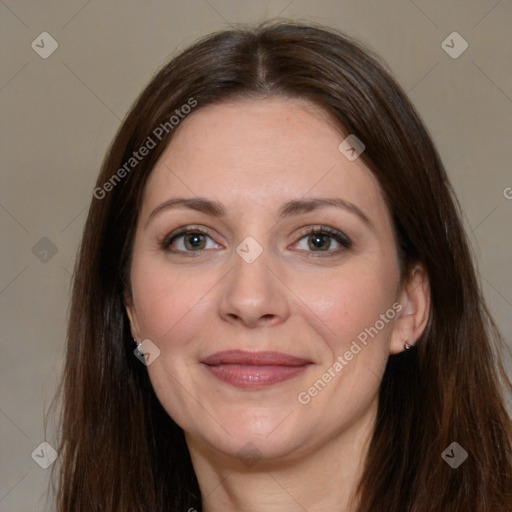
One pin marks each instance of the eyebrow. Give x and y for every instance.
(199, 204)
(295, 207)
(308, 205)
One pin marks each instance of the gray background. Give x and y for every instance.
(59, 114)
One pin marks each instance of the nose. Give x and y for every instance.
(253, 295)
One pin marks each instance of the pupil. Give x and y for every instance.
(194, 241)
(320, 241)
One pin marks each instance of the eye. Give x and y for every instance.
(324, 239)
(189, 240)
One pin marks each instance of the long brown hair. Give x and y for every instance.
(120, 450)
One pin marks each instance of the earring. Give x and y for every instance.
(138, 344)
(407, 346)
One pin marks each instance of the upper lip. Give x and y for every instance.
(264, 358)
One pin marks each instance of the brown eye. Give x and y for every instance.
(319, 242)
(193, 241)
(189, 240)
(324, 240)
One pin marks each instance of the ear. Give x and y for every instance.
(132, 315)
(413, 317)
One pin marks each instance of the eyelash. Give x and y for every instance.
(172, 237)
(338, 236)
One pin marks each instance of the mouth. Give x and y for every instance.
(254, 370)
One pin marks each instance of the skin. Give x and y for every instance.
(253, 156)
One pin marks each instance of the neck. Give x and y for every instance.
(323, 479)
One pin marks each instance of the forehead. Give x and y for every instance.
(261, 152)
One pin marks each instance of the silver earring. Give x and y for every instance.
(407, 346)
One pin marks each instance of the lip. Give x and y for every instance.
(254, 370)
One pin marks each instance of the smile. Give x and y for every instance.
(254, 370)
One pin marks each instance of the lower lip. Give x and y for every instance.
(254, 377)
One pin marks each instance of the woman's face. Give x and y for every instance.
(276, 311)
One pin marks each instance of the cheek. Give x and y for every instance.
(356, 345)
(169, 304)
(351, 300)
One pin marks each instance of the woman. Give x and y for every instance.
(274, 234)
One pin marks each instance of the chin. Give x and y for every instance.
(269, 435)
